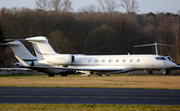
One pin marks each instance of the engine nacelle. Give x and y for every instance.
(31, 63)
(64, 59)
(35, 63)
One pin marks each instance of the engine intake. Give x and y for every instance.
(64, 59)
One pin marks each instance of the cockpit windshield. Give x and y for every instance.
(161, 58)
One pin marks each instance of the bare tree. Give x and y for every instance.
(42, 4)
(108, 5)
(67, 6)
(178, 12)
(89, 9)
(130, 6)
(101, 3)
(176, 29)
(56, 5)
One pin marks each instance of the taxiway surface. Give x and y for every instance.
(89, 95)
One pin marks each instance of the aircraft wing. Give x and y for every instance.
(85, 68)
(15, 69)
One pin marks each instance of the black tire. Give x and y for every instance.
(51, 75)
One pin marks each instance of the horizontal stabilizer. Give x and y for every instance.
(15, 39)
(155, 44)
(143, 45)
(10, 43)
(166, 45)
(38, 39)
(3, 44)
(152, 45)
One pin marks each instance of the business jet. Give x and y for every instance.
(99, 64)
(23, 53)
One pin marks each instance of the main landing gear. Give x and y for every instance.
(100, 74)
(150, 71)
(51, 75)
(62, 75)
(168, 71)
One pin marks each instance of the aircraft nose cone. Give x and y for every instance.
(173, 64)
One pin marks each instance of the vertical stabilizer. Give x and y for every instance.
(41, 46)
(20, 50)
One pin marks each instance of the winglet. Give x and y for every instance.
(23, 62)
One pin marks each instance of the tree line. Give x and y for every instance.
(94, 32)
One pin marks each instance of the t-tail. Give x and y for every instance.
(154, 44)
(20, 50)
(41, 47)
(46, 54)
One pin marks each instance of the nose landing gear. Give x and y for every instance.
(167, 71)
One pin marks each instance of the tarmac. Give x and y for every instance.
(88, 96)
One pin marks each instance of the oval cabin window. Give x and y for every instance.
(96, 61)
(103, 61)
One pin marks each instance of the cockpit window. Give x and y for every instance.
(161, 58)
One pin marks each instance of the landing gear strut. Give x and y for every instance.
(63, 75)
(150, 71)
(98, 74)
(168, 71)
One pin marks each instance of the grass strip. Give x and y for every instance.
(113, 81)
(86, 107)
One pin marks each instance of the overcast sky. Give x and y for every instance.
(145, 6)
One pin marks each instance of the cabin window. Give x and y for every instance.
(138, 60)
(110, 61)
(124, 60)
(131, 61)
(117, 61)
(103, 61)
(96, 61)
(89, 61)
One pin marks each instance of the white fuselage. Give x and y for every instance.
(124, 62)
(136, 61)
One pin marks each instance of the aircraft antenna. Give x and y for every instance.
(155, 44)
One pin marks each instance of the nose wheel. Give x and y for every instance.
(167, 71)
